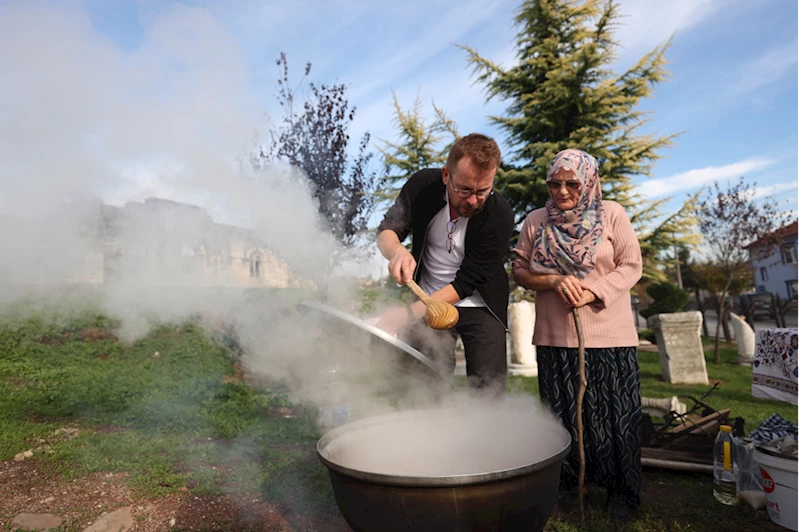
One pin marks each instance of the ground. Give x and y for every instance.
(30, 487)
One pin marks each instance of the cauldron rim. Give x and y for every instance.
(431, 481)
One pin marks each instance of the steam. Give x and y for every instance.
(127, 178)
(127, 173)
(452, 441)
(91, 132)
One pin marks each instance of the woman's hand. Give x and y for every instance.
(588, 298)
(571, 290)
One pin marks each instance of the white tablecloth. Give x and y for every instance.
(774, 370)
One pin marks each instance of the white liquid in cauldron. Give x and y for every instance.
(449, 443)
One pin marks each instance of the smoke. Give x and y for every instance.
(174, 118)
(126, 175)
(126, 179)
(459, 439)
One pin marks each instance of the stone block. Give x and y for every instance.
(679, 339)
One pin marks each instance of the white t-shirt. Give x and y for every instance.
(440, 265)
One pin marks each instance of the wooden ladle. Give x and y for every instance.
(439, 314)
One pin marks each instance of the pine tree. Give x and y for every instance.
(420, 145)
(658, 235)
(563, 94)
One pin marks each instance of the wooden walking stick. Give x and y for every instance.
(580, 395)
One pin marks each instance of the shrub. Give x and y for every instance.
(667, 297)
(647, 334)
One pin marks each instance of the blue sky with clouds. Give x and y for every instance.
(733, 62)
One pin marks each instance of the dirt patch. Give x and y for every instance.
(93, 334)
(34, 487)
(87, 334)
(16, 383)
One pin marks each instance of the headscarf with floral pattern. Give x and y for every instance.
(568, 241)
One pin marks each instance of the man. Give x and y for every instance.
(460, 231)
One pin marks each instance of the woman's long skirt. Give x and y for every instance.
(611, 415)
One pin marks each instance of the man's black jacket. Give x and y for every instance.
(487, 237)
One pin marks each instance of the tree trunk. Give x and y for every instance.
(716, 353)
(725, 321)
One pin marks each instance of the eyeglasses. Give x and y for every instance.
(481, 194)
(571, 185)
(450, 231)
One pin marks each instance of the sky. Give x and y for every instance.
(135, 97)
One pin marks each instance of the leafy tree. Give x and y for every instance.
(313, 136)
(419, 146)
(730, 219)
(712, 277)
(562, 94)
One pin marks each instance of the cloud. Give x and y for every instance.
(86, 119)
(648, 23)
(770, 190)
(693, 179)
(771, 67)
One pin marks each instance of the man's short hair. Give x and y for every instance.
(482, 150)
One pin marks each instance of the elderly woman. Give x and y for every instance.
(581, 251)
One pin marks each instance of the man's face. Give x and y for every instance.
(468, 187)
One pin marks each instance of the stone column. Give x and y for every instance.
(521, 322)
(682, 357)
(744, 338)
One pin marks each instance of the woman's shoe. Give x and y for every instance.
(619, 509)
(570, 501)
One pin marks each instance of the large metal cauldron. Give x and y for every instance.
(475, 469)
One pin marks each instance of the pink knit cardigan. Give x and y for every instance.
(608, 322)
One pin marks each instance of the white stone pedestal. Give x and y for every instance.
(521, 322)
(744, 339)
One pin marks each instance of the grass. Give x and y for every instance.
(161, 410)
(734, 390)
(673, 500)
(157, 408)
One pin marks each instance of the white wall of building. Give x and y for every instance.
(778, 273)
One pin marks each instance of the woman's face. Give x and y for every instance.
(564, 189)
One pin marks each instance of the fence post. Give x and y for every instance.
(725, 319)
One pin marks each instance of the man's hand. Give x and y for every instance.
(392, 320)
(395, 318)
(401, 266)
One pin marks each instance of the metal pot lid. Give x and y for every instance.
(538, 435)
(380, 342)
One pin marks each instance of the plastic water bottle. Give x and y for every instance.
(725, 467)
